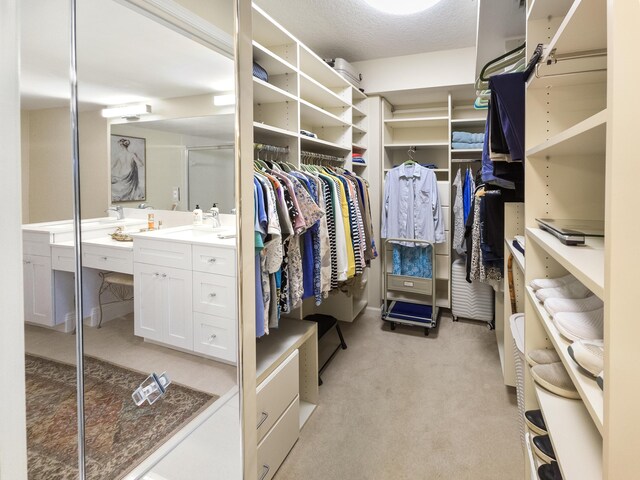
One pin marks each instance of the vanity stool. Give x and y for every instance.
(326, 323)
(119, 284)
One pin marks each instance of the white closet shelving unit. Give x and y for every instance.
(579, 124)
(427, 128)
(304, 93)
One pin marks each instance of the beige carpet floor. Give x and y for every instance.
(399, 405)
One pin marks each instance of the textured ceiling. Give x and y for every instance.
(355, 31)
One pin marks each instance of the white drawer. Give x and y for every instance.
(276, 392)
(278, 442)
(63, 258)
(214, 260)
(163, 253)
(444, 193)
(106, 258)
(214, 336)
(214, 295)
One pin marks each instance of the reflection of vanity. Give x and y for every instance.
(184, 280)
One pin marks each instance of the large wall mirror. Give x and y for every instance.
(157, 344)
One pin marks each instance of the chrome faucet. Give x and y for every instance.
(145, 206)
(118, 209)
(215, 218)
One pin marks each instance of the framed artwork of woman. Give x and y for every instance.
(128, 168)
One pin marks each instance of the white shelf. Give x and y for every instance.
(468, 122)
(306, 409)
(517, 255)
(272, 63)
(357, 146)
(316, 116)
(466, 150)
(357, 93)
(314, 92)
(273, 131)
(417, 122)
(592, 396)
(268, 32)
(272, 349)
(586, 138)
(316, 68)
(308, 143)
(542, 9)
(358, 130)
(465, 160)
(437, 170)
(356, 112)
(583, 28)
(585, 262)
(418, 145)
(264, 93)
(360, 165)
(576, 442)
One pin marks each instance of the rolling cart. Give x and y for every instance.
(409, 311)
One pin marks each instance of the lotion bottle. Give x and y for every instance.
(197, 216)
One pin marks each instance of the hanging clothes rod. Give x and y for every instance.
(553, 58)
(312, 156)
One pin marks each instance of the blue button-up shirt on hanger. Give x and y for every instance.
(411, 205)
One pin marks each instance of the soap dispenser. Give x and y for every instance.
(197, 216)
(215, 215)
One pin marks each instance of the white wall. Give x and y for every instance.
(422, 70)
(24, 155)
(13, 443)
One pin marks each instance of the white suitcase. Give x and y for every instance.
(469, 300)
(345, 69)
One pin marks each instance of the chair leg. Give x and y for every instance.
(342, 342)
(102, 289)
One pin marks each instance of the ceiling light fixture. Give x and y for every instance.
(401, 7)
(132, 112)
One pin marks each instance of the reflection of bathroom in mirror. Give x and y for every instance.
(145, 313)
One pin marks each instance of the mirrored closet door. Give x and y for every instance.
(158, 340)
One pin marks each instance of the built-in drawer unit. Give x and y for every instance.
(214, 294)
(163, 253)
(36, 243)
(107, 258)
(214, 336)
(278, 442)
(214, 260)
(63, 258)
(276, 392)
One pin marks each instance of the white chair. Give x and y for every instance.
(119, 284)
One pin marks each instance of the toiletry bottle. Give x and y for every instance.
(150, 222)
(215, 215)
(197, 216)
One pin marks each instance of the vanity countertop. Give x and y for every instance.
(89, 224)
(105, 241)
(193, 234)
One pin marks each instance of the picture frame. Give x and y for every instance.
(128, 168)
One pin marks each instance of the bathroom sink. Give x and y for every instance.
(193, 233)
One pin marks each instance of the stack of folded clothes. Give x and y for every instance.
(466, 140)
(260, 72)
(357, 158)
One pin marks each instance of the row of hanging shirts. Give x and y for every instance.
(313, 233)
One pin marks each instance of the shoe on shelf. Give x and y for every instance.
(570, 290)
(549, 471)
(600, 380)
(542, 356)
(589, 354)
(554, 378)
(535, 422)
(543, 449)
(580, 325)
(557, 305)
(539, 283)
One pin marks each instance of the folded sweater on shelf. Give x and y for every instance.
(463, 146)
(467, 137)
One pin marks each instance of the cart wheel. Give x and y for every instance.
(426, 332)
(393, 325)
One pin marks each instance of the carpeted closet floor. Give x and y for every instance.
(399, 405)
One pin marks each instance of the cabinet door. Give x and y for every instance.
(37, 290)
(148, 299)
(178, 326)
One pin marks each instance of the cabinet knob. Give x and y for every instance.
(164, 275)
(212, 260)
(27, 262)
(212, 295)
(212, 337)
(105, 258)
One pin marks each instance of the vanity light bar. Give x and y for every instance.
(126, 111)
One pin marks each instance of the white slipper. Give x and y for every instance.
(580, 325)
(557, 305)
(539, 283)
(571, 290)
(589, 355)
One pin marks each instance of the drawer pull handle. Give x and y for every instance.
(212, 260)
(164, 275)
(212, 337)
(265, 471)
(212, 295)
(105, 258)
(27, 262)
(265, 415)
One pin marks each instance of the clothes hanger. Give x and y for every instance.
(410, 153)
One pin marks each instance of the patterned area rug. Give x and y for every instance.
(119, 435)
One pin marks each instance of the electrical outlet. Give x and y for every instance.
(175, 193)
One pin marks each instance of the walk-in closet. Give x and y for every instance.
(356, 239)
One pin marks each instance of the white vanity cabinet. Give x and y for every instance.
(38, 290)
(185, 293)
(162, 305)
